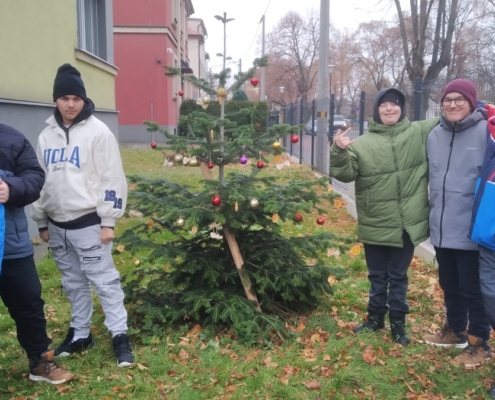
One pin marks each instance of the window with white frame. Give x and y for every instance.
(91, 27)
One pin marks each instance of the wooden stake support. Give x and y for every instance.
(234, 250)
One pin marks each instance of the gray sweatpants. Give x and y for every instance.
(83, 261)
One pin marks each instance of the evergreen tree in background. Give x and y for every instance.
(216, 254)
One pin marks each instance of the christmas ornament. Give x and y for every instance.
(337, 203)
(193, 162)
(294, 139)
(180, 221)
(254, 203)
(151, 189)
(212, 135)
(194, 230)
(216, 200)
(298, 217)
(206, 99)
(274, 217)
(137, 263)
(254, 81)
(260, 164)
(178, 157)
(153, 145)
(320, 220)
(236, 206)
(210, 165)
(221, 92)
(276, 145)
(243, 160)
(180, 93)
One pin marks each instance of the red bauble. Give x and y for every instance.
(298, 217)
(254, 81)
(153, 145)
(320, 220)
(216, 200)
(260, 164)
(210, 165)
(294, 139)
(180, 93)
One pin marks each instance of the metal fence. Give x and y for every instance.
(422, 101)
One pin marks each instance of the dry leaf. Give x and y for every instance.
(332, 279)
(183, 354)
(312, 385)
(132, 186)
(196, 330)
(142, 367)
(369, 355)
(236, 207)
(268, 363)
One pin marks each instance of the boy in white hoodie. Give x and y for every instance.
(84, 193)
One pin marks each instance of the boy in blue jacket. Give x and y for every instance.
(483, 223)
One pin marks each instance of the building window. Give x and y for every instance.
(91, 27)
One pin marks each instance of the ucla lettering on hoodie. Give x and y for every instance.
(55, 156)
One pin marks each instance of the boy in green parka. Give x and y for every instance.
(390, 170)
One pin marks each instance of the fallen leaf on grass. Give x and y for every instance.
(312, 385)
(267, 362)
(142, 367)
(120, 248)
(194, 331)
(369, 355)
(183, 354)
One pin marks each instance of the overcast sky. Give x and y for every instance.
(244, 33)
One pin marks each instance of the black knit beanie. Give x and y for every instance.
(394, 96)
(68, 82)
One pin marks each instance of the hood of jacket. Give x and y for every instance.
(87, 111)
(480, 114)
(376, 115)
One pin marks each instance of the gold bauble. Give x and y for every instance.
(254, 203)
(193, 162)
(206, 99)
(221, 92)
(180, 221)
(137, 263)
(276, 145)
(178, 157)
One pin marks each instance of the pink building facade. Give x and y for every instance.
(147, 36)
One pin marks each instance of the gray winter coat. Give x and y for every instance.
(455, 155)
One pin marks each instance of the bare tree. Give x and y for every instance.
(295, 40)
(428, 25)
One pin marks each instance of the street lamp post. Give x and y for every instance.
(224, 21)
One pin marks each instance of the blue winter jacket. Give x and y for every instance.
(483, 221)
(19, 168)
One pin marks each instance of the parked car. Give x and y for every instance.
(339, 122)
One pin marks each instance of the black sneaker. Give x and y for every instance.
(70, 346)
(399, 333)
(123, 350)
(372, 323)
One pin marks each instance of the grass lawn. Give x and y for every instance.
(322, 360)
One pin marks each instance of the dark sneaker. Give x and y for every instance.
(44, 369)
(70, 346)
(123, 350)
(399, 333)
(446, 337)
(476, 353)
(491, 393)
(372, 323)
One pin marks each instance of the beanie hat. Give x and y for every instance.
(68, 82)
(464, 87)
(394, 96)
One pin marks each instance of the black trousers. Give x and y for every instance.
(458, 274)
(20, 290)
(387, 272)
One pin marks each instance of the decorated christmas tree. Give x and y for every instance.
(216, 254)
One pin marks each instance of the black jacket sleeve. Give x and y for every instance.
(28, 180)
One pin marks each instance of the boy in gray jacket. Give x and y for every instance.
(455, 152)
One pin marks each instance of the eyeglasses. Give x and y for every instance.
(460, 101)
